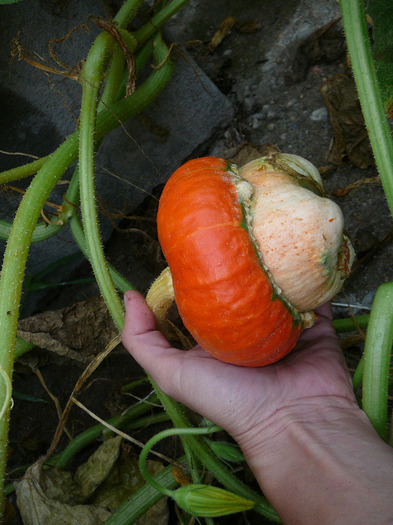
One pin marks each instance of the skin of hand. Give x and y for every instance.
(236, 398)
(313, 451)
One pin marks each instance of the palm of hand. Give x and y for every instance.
(233, 397)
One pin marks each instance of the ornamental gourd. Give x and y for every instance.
(251, 252)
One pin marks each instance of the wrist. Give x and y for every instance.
(322, 462)
(309, 420)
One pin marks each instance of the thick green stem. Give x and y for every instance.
(26, 218)
(377, 354)
(22, 171)
(358, 375)
(115, 73)
(14, 264)
(359, 48)
(351, 324)
(119, 281)
(127, 12)
(91, 78)
(158, 20)
(380, 328)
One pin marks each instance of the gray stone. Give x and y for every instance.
(319, 114)
(40, 110)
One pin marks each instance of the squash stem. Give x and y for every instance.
(160, 297)
(158, 20)
(121, 283)
(161, 435)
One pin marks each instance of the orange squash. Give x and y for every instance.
(224, 293)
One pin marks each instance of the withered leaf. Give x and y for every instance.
(250, 27)
(79, 331)
(246, 152)
(99, 487)
(39, 508)
(91, 474)
(124, 480)
(350, 138)
(225, 27)
(326, 44)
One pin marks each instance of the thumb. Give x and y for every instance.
(180, 374)
(149, 347)
(140, 335)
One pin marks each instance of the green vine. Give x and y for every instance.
(49, 171)
(375, 365)
(91, 77)
(197, 499)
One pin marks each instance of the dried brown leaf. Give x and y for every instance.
(225, 27)
(247, 152)
(327, 44)
(91, 474)
(37, 507)
(340, 192)
(350, 138)
(108, 478)
(250, 27)
(79, 331)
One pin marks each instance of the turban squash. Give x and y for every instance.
(251, 252)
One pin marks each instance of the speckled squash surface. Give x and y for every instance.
(223, 294)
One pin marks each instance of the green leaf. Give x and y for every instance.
(381, 13)
(27, 397)
(4, 2)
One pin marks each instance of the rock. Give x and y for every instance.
(319, 114)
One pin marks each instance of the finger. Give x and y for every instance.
(192, 377)
(142, 318)
(140, 326)
(150, 348)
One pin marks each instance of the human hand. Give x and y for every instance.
(241, 400)
(313, 451)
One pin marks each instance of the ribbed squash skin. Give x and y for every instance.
(222, 293)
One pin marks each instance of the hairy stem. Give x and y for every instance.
(359, 48)
(22, 171)
(14, 264)
(91, 78)
(127, 12)
(121, 283)
(158, 20)
(380, 329)
(20, 237)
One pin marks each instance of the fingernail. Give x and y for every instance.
(127, 297)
